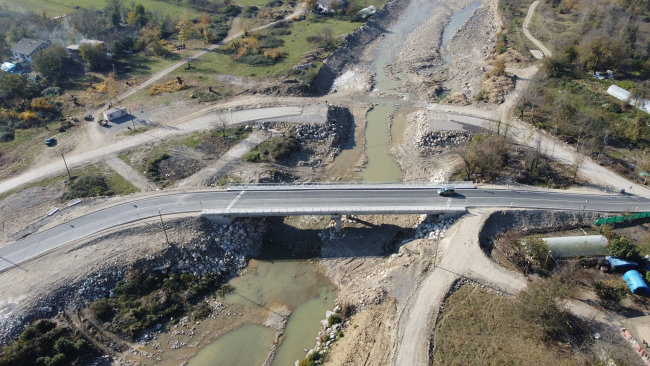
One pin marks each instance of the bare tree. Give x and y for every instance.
(221, 124)
(578, 160)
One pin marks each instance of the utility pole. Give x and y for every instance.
(163, 225)
(66, 166)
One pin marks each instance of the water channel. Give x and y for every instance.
(381, 166)
(296, 285)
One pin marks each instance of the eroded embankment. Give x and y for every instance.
(352, 50)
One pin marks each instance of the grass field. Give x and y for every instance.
(60, 7)
(295, 46)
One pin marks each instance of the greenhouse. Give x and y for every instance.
(572, 246)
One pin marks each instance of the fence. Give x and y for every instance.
(617, 219)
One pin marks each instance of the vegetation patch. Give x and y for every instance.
(47, 343)
(277, 148)
(147, 298)
(168, 87)
(482, 328)
(93, 181)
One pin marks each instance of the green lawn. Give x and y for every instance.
(60, 7)
(295, 46)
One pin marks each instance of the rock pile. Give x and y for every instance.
(328, 333)
(443, 138)
(438, 140)
(433, 227)
(336, 128)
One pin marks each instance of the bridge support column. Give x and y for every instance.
(337, 218)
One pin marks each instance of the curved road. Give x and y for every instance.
(236, 201)
(537, 43)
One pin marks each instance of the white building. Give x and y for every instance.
(27, 48)
(114, 113)
(622, 94)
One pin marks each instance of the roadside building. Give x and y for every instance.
(73, 49)
(27, 48)
(114, 113)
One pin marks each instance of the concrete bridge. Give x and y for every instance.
(310, 199)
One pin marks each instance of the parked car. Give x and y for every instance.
(50, 142)
(446, 192)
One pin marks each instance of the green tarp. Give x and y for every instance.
(616, 219)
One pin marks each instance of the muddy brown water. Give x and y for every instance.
(294, 285)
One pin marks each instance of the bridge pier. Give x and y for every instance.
(337, 219)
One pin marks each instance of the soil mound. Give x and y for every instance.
(456, 99)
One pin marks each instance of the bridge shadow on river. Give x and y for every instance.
(298, 238)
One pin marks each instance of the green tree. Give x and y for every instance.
(114, 10)
(52, 62)
(611, 293)
(186, 28)
(137, 17)
(538, 249)
(4, 46)
(94, 55)
(623, 249)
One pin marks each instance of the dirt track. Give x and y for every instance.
(460, 256)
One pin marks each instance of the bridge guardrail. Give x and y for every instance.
(346, 185)
(355, 210)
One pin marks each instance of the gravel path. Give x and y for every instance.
(128, 173)
(226, 162)
(537, 43)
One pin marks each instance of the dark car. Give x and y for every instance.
(50, 141)
(446, 192)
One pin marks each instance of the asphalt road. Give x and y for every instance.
(93, 223)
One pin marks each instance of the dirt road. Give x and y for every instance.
(460, 256)
(537, 43)
(199, 121)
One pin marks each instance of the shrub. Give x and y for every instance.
(167, 87)
(538, 249)
(44, 325)
(334, 319)
(102, 310)
(7, 134)
(274, 149)
(28, 116)
(51, 92)
(64, 346)
(88, 186)
(611, 293)
(623, 249)
(42, 104)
